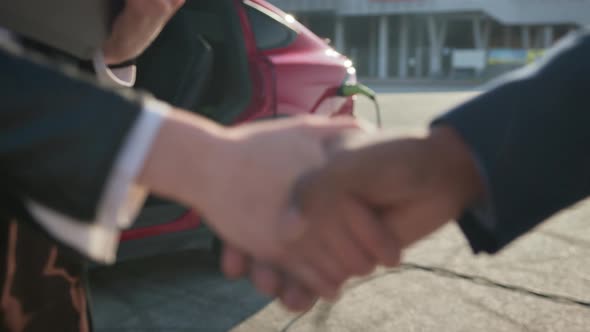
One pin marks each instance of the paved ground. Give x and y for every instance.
(185, 293)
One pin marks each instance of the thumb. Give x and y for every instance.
(234, 263)
(292, 226)
(342, 133)
(412, 222)
(326, 128)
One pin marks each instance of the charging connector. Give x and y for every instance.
(353, 89)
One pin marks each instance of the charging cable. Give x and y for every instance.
(353, 89)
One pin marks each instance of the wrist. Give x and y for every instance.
(186, 159)
(456, 166)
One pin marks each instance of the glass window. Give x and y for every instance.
(270, 30)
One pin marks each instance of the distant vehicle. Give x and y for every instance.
(233, 61)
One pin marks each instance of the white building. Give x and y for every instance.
(418, 38)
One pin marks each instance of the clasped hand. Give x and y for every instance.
(300, 217)
(373, 197)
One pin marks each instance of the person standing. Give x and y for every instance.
(78, 157)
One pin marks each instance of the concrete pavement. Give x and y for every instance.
(184, 292)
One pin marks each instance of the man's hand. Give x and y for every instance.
(240, 180)
(412, 185)
(136, 27)
(248, 196)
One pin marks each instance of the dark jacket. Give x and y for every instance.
(59, 136)
(531, 138)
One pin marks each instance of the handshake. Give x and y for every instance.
(301, 204)
(304, 204)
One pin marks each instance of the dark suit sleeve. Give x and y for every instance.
(531, 138)
(59, 135)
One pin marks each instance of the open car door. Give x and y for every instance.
(200, 63)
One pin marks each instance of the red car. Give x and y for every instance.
(233, 61)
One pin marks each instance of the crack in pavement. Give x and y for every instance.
(566, 238)
(476, 280)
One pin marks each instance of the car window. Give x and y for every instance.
(271, 31)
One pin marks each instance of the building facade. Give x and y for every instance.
(433, 38)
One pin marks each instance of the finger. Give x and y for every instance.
(314, 252)
(343, 246)
(234, 263)
(371, 234)
(296, 297)
(324, 128)
(136, 27)
(413, 222)
(159, 9)
(333, 233)
(314, 280)
(292, 227)
(176, 4)
(266, 279)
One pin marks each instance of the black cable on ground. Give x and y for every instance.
(294, 321)
(378, 113)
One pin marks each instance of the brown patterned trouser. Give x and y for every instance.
(41, 288)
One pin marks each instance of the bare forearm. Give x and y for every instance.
(184, 158)
(458, 170)
(455, 184)
(237, 178)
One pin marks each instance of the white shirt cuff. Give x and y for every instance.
(98, 239)
(125, 76)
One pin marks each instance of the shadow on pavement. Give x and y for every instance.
(178, 292)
